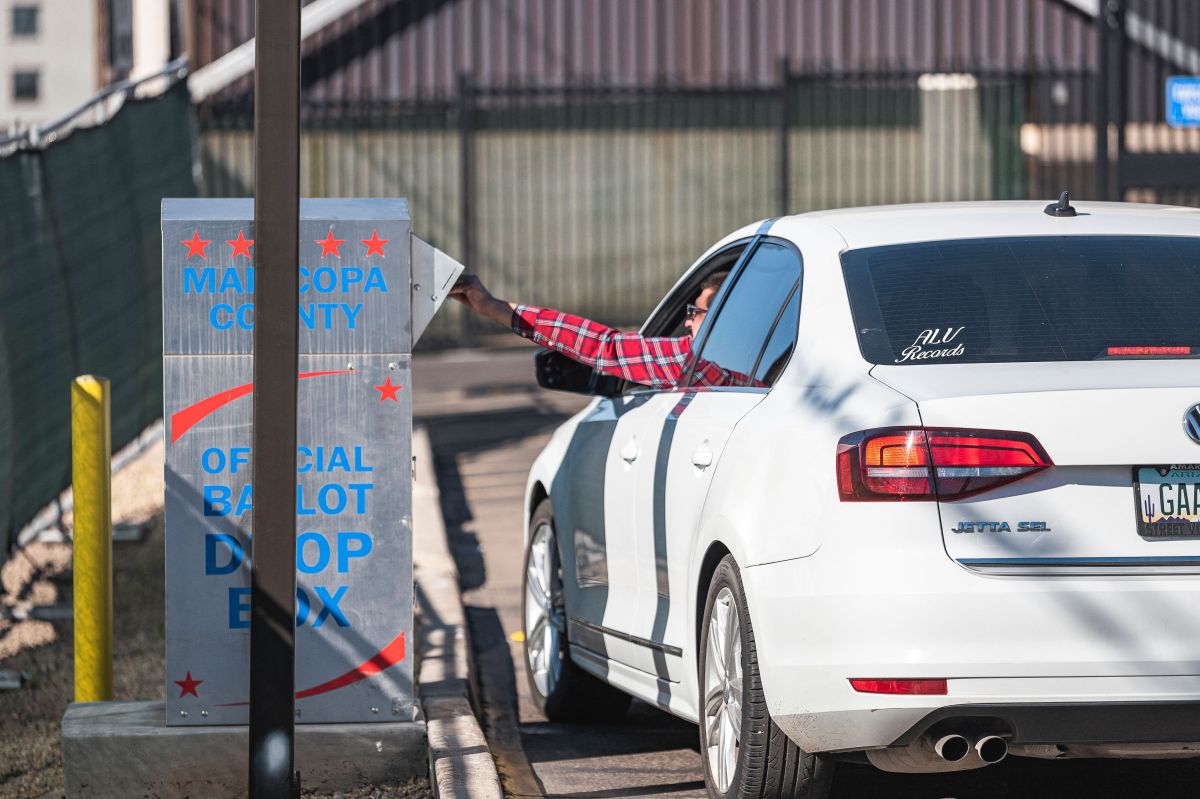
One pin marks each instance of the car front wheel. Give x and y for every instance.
(561, 689)
(745, 754)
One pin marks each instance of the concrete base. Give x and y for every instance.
(124, 749)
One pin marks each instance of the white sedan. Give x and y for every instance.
(947, 510)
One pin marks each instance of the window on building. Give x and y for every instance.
(24, 20)
(120, 38)
(26, 85)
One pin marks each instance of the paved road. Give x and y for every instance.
(487, 421)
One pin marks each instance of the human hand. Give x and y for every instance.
(470, 291)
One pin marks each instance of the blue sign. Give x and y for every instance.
(1183, 101)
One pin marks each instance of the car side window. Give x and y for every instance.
(668, 320)
(779, 347)
(746, 318)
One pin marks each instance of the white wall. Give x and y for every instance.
(151, 36)
(63, 51)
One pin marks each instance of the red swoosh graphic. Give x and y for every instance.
(186, 419)
(390, 655)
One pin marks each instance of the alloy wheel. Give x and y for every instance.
(544, 615)
(723, 689)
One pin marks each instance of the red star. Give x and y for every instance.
(387, 391)
(329, 245)
(374, 244)
(188, 686)
(241, 245)
(196, 245)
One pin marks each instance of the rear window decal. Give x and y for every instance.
(933, 342)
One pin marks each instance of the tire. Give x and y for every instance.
(755, 760)
(561, 690)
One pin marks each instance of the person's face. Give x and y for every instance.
(696, 313)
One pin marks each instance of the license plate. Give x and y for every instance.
(1168, 500)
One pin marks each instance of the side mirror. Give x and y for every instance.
(560, 373)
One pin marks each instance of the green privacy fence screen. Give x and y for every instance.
(80, 287)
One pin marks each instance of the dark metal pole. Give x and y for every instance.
(785, 150)
(466, 190)
(1121, 85)
(1103, 86)
(273, 519)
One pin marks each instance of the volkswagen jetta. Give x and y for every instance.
(946, 509)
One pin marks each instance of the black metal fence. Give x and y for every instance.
(597, 197)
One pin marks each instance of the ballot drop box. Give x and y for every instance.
(367, 290)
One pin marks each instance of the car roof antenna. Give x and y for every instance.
(1063, 207)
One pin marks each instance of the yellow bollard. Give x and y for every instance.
(91, 461)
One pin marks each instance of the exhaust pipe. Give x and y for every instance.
(952, 748)
(927, 756)
(991, 749)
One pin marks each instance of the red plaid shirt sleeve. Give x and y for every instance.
(659, 362)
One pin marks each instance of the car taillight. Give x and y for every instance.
(935, 687)
(913, 463)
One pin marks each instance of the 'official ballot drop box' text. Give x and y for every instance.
(368, 288)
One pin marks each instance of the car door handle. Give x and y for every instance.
(702, 457)
(629, 453)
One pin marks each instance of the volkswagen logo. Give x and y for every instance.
(1191, 423)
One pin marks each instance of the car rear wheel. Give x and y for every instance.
(745, 754)
(561, 689)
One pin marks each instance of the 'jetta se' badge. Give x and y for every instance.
(1191, 423)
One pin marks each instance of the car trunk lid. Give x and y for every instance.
(1120, 496)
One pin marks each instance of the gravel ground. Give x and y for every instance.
(418, 789)
(38, 577)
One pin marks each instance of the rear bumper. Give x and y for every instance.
(1061, 656)
(1069, 722)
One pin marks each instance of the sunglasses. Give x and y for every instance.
(695, 310)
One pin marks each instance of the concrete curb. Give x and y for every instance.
(460, 762)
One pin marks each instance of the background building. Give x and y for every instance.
(55, 54)
(50, 58)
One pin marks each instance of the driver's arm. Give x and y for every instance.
(650, 361)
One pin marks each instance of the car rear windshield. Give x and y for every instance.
(1037, 298)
